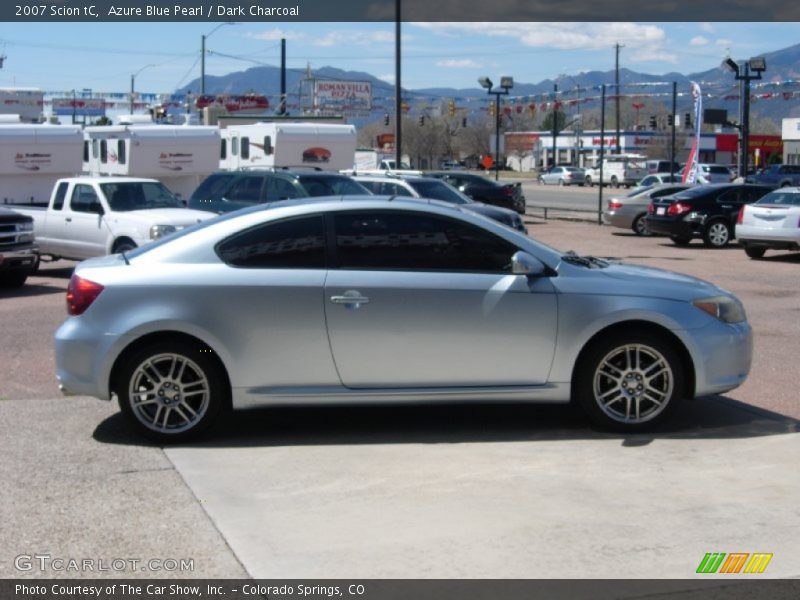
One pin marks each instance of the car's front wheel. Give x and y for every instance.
(171, 391)
(629, 382)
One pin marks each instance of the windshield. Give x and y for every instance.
(213, 187)
(780, 198)
(332, 186)
(438, 190)
(126, 196)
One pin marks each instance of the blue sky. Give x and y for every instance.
(103, 56)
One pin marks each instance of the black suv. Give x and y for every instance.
(706, 211)
(481, 189)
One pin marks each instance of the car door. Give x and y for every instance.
(270, 299)
(729, 202)
(421, 300)
(85, 231)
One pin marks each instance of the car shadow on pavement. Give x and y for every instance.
(714, 417)
(56, 272)
(30, 289)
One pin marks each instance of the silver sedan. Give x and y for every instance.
(630, 211)
(361, 299)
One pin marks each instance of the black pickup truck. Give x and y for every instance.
(19, 256)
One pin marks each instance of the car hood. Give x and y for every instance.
(634, 280)
(179, 217)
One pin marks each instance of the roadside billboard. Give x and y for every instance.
(343, 96)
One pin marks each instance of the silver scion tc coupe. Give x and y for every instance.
(370, 299)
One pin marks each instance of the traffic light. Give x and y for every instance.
(451, 108)
(386, 119)
(687, 120)
(421, 120)
(653, 123)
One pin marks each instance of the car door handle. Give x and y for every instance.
(68, 219)
(350, 297)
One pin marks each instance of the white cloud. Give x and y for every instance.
(387, 78)
(465, 63)
(724, 42)
(698, 40)
(274, 35)
(356, 38)
(707, 27)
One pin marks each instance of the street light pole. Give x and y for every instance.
(203, 55)
(133, 80)
(506, 83)
(742, 73)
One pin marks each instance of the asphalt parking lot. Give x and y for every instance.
(434, 492)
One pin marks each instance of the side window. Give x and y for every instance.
(405, 241)
(245, 153)
(280, 189)
(121, 152)
(246, 189)
(95, 148)
(729, 197)
(103, 151)
(82, 198)
(267, 145)
(61, 194)
(86, 151)
(394, 189)
(223, 148)
(753, 194)
(292, 244)
(234, 146)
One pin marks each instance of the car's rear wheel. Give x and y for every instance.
(639, 225)
(755, 251)
(680, 240)
(717, 234)
(629, 382)
(171, 391)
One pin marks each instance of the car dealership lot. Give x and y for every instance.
(463, 491)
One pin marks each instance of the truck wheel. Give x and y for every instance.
(629, 381)
(755, 251)
(171, 391)
(13, 280)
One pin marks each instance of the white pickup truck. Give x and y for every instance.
(95, 216)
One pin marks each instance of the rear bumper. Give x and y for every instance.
(678, 228)
(788, 239)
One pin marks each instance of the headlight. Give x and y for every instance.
(157, 231)
(724, 308)
(26, 226)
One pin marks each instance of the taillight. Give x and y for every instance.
(651, 209)
(614, 205)
(740, 216)
(678, 208)
(80, 294)
(509, 191)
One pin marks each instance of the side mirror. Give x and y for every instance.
(96, 208)
(523, 263)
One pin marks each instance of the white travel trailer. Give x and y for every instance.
(178, 156)
(323, 145)
(33, 157)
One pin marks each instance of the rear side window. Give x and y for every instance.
(292, 244)
(103, 151)
(385, 240)
(121, 152)
(61, 194)
(245, 147)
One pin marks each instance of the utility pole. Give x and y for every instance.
(398, 100)
(617, 47)
(282, 107)
(674, 111)
(555, 123)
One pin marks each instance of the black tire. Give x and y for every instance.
(588, 181)
(680, 240)
(755, 251)
(717, 234)
(614, 182)
(639, 225)
(645, 371)
(124, 246)
(519, 206)
(561, 183)
(200, 390)
(14, 279)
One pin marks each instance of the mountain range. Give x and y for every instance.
(783, 68)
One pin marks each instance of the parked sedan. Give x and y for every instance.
(481, 189)
(563, 176)
(771, 223)
(357, 299)
(658, 178)
(630, 211)
(706, 211)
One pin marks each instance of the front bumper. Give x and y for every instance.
(19, 259)
(723, 353)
